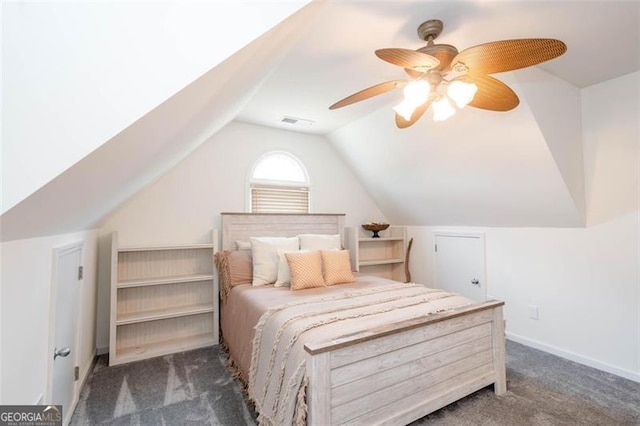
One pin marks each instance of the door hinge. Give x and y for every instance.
(76, 373)
(80, 272)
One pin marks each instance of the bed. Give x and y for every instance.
(383, 359)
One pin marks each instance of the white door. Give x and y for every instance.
(66, 288)
(459, 265)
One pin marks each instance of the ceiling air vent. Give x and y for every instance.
(299, 122)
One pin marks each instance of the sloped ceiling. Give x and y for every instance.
(556, 107)
(75, 74)
(477, 168)
(86, 192)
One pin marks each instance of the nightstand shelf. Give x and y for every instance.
(364, 239)
(380, 262)
(382, 256)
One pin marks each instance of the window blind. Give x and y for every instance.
(279, 199)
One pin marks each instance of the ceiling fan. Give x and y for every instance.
(440, 74)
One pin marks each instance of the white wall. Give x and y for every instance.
(586, 290)
(75, 74)
(185, 204)
(585, 281)
(26, 280)
(563, 137)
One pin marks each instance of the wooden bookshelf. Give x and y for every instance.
(164, 299)
(382, 256)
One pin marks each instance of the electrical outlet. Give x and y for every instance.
(533, 312)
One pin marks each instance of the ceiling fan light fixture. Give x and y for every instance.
(441, 74)
(405, 109)
(461, 92)
(417, 92)
(442, 109)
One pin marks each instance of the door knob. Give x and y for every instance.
(475, 282)
(64, 352)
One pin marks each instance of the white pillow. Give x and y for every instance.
(320, 242)
(284, 274)
(265, 257)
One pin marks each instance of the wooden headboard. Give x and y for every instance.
(242, 226)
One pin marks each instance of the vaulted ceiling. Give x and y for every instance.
(336, 57)
(524, 164)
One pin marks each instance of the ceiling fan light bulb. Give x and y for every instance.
(417, 92)
(442, 109)
(461, 92)
(405, 109)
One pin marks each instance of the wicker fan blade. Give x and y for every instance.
(492, 94)
(407, 58)
(413, 74)
(507, 55)
(417, 113)
(369, 92)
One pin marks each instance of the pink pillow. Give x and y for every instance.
(234, 268)
(240, 267)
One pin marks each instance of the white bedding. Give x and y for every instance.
(246, 304)
(284, 320)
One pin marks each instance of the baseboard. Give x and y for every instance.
(102, 351)
(84, 375)
(572, 356)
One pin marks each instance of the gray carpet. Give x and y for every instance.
(188, 388)
(544, 389)
(195, 388)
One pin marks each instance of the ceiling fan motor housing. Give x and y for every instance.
(444, 52)
(430, 30)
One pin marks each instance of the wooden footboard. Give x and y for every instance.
(406, 370)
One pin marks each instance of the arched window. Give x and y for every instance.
(279, 184)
